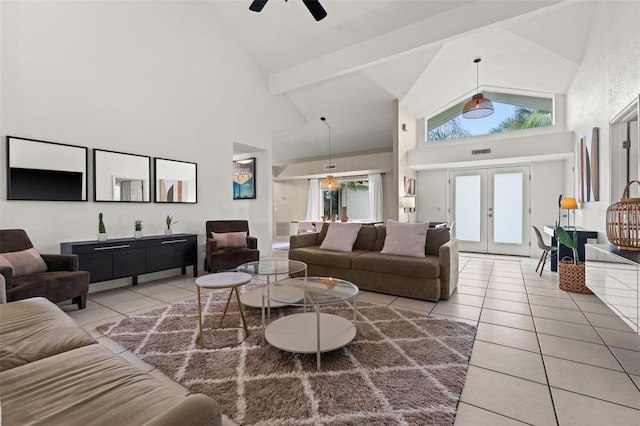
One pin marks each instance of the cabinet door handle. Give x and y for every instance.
(112, 247)
(172, 241)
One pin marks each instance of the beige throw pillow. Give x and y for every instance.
(405, 239)
(23, 262)
(230, 239)
(341, 236)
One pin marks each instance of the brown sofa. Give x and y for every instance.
(53, 373)
(61, 281)
(432, 277)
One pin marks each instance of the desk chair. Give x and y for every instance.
(546, 250)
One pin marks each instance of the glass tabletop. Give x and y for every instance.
(310, 291)
(272, 267)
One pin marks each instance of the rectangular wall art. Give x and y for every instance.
(409, 186)
(244, 179)
(588, 166)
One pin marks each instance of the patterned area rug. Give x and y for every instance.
(401, 369)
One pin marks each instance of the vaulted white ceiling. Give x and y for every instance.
(350, 66)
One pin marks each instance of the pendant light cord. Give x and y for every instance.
(329, 127)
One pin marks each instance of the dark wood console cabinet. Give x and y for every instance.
(130, 257)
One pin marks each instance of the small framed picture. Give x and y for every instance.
(244, 179)
(409, 186)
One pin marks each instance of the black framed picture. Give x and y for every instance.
(121, 177)
(244, 179)
(176, 181)
(46, 171)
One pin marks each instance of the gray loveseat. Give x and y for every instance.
(432, 277)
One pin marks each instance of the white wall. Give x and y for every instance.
(405, 133)
(162, 79)
(608, 80)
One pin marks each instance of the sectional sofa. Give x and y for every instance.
(52, 372)
(432, 277)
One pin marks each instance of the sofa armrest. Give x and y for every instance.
(212, 246)
(7, 273)
(61, 262)
(252, 242)
(448, 268)
(196, 409)
(303, 240)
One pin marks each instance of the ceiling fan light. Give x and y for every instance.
(329, 183)
(477, 107)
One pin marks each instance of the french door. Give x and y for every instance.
(490, 208)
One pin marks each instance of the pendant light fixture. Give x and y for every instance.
(478, 106)
(329, 183)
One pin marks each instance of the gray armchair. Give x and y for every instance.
(61, 281)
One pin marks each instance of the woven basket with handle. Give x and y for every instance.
(623, 221)
(571, 277)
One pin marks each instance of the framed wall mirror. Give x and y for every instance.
(624, 151)
(121, 177)
(176, 181)
(46, 171)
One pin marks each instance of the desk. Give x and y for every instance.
(563, 251)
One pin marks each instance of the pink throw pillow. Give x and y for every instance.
(23, 262)
(341, 236)
(230, 239)
(405, 239)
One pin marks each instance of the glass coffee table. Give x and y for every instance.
(310, 332)
(272, 268)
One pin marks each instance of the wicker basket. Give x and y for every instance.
(571, 277)
(623, 221)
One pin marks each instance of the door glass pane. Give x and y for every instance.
(507, 208)
(467, 208)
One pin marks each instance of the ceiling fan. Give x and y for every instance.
(314, 7)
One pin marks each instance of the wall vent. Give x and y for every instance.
(481, 151)
(282, 228)
(329, 166)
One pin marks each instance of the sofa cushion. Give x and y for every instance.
(35, 328)
(314, 256)
(230, 239)
(436, 237)
(84, 386)
(23, 262)
(405, 239)
(341, 236)
(420, 267)
(366, 238)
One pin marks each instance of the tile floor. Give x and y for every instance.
(542, 356)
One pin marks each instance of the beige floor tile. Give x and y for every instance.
(474, 291)
(551, 292)
(508, 336)
(594, 307)
(555, 302)
(493, 285)
(468, 415)
(456, 310)
(541, 283)
(511, 361)
(506, 295)
(575, 350)
(135, 305)
(148, 309)
(68, 307)
(578, 410)
(630, 360)
(507, 280)
(450, 318)
(153, 288)
(83, 316)
(413, 304)
(620, 339)
(466, 299)
(607, 321)
(516, 275)
(473, 283)
(510, 396)
(523, 322)
(608, 385)
(585, 297)
(377, 298)
(567, 315)
(582, 332)
(174, 294)
(111, 298)
(507, 306)
(464, 275)
(636, 380)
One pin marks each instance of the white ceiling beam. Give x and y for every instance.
(450, 24)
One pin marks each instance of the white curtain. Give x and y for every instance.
(375, 197)
(313, 205)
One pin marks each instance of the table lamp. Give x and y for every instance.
(409, 205)
(569, 204)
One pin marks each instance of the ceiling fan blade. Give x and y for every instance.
(257, 5)
(315, 8)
